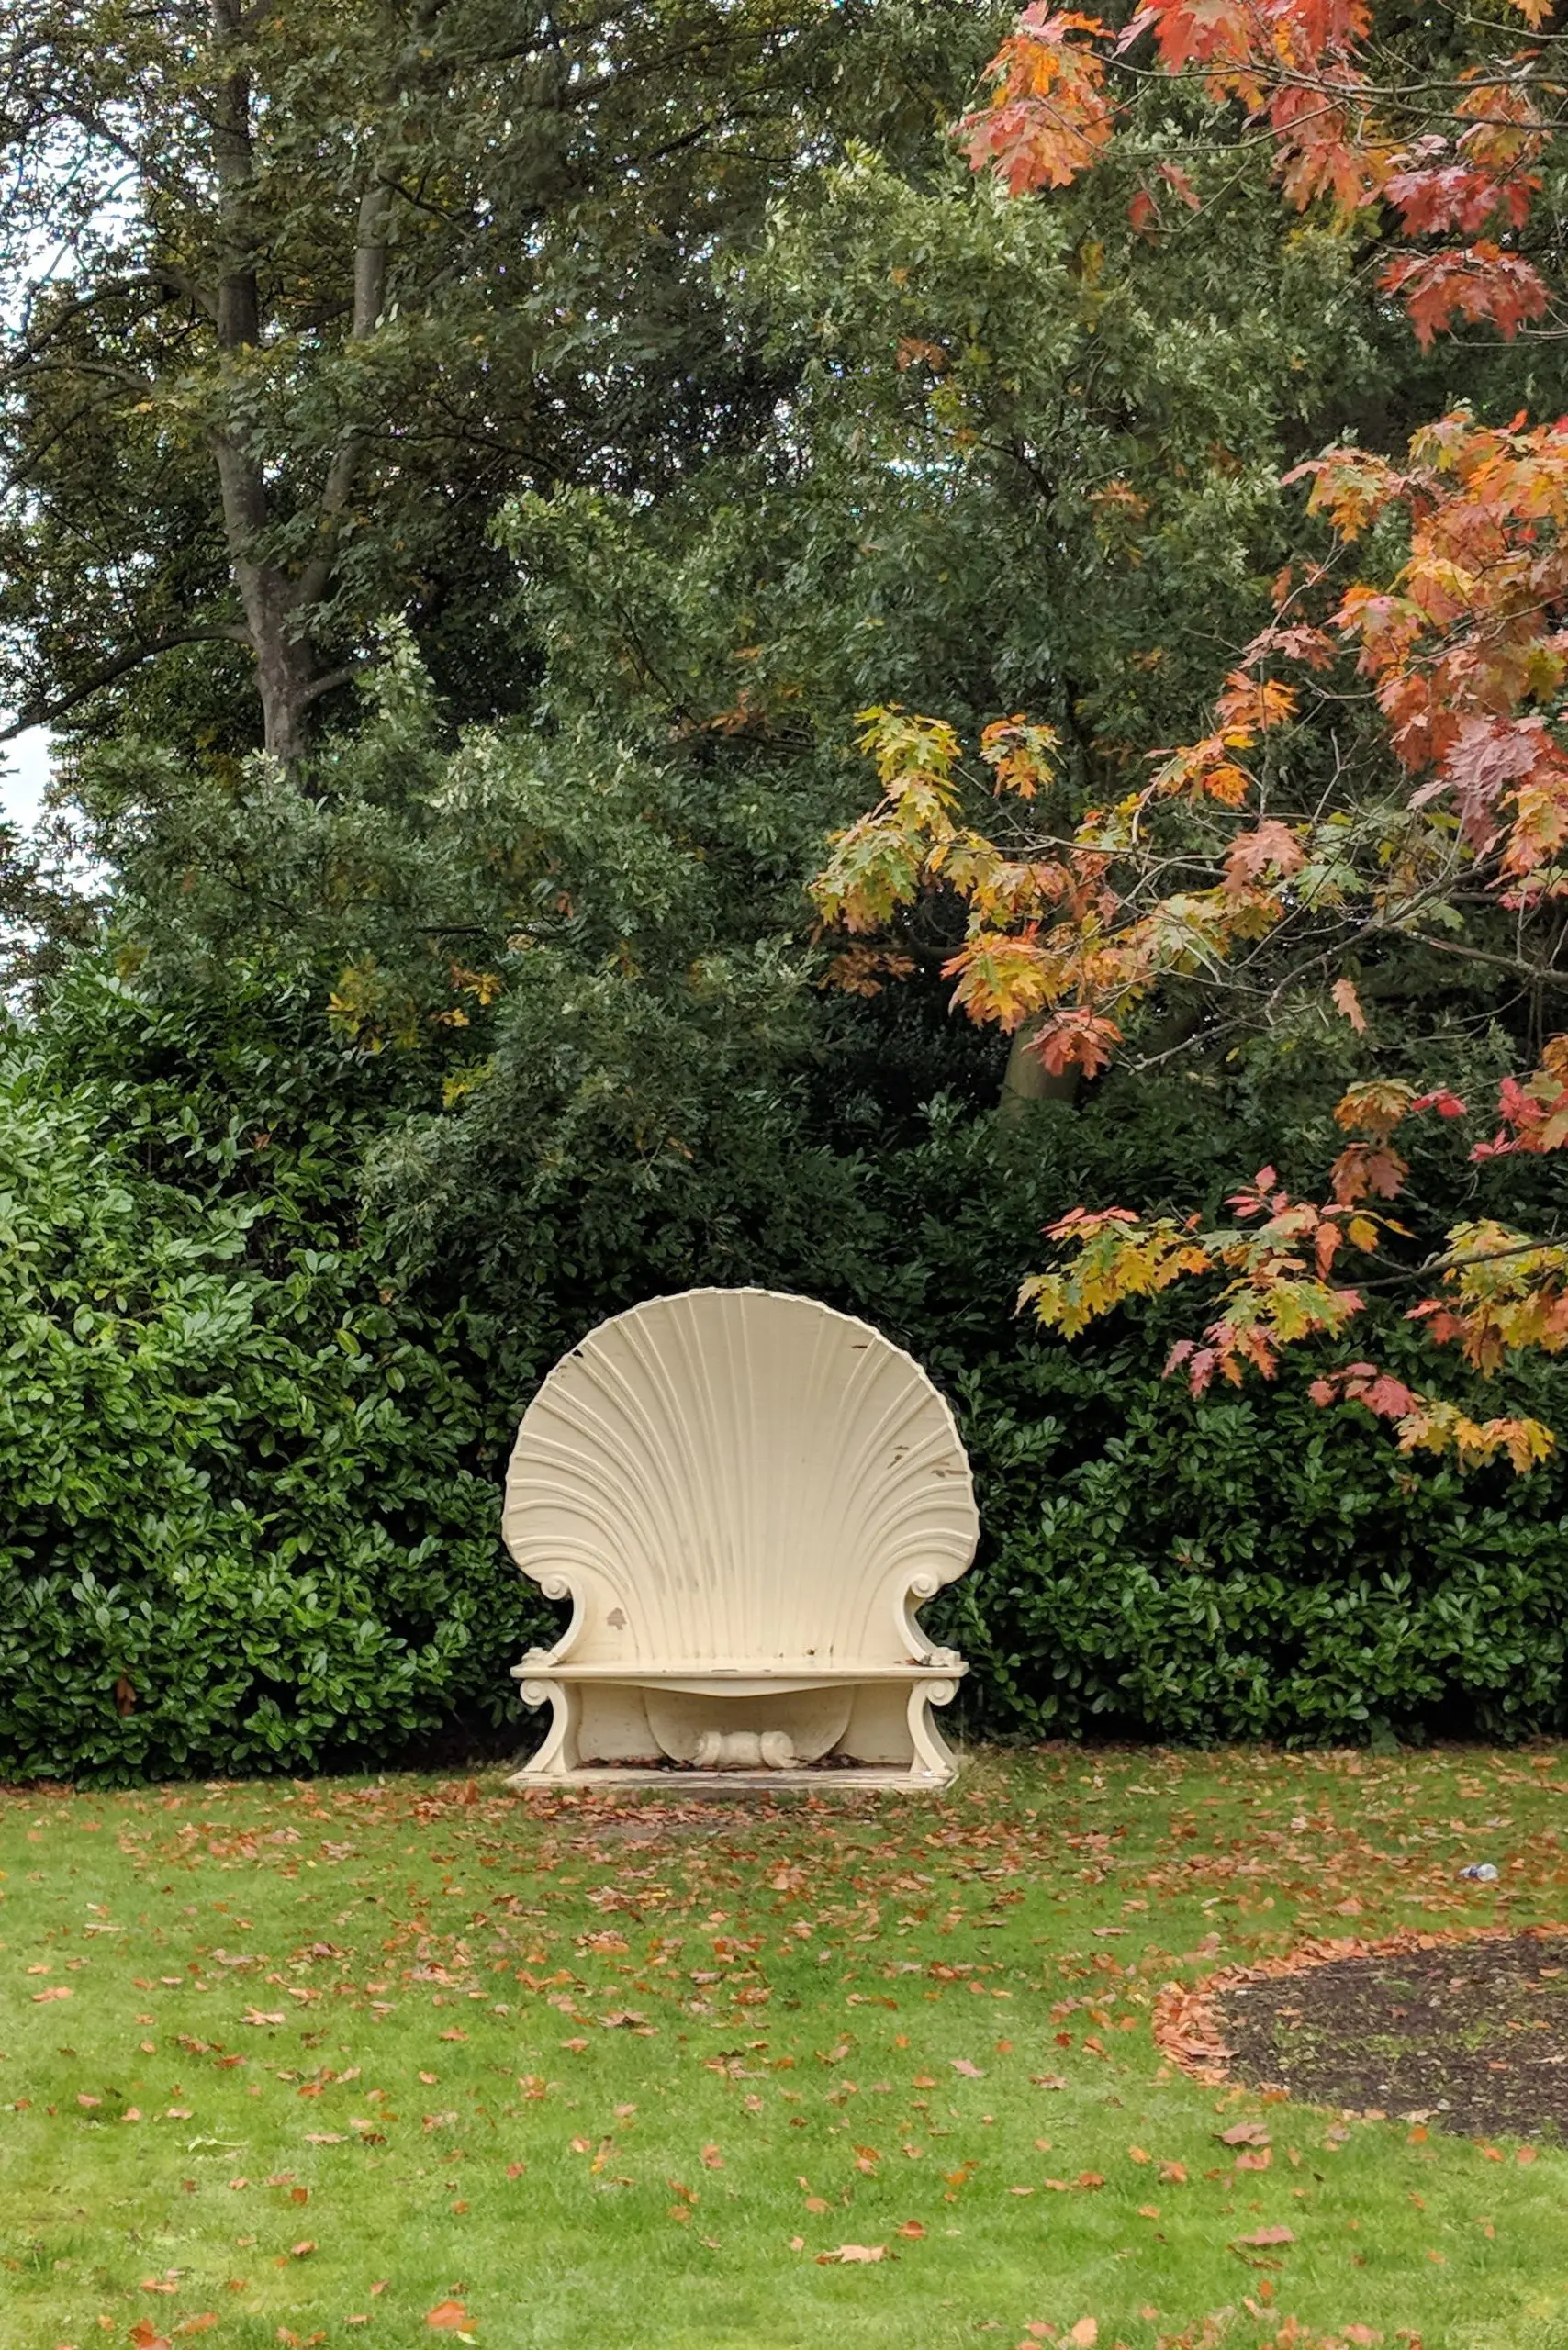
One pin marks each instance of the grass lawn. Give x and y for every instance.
(305, 2062)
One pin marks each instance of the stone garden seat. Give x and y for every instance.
(744, 1496)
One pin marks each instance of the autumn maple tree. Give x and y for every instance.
(1263, 864)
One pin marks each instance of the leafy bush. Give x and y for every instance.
(249, 1462)
(1249, 1566)
(1243, 1566)
(245, 1519)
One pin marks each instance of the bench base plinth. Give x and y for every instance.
(844, 1729)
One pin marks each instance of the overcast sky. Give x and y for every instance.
(24, 774)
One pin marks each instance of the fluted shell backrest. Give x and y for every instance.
(739, 1476)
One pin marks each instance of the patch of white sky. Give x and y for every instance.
(27, 762)
(24, 777)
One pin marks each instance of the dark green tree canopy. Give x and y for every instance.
(299, 295)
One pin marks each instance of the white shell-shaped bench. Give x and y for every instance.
(744, 1496)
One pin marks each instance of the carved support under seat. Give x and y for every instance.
(745, 1496)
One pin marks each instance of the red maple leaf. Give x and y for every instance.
(1477, 282)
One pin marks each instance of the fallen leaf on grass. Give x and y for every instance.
(1048, 2080)
(62, 1991)
(712, 2158)
(1173, 2173)
(448, 2317)
(914, 2228)
(1244, 2133)
(848, 2253)
(970, 2072)
(146, 2336)
(1263, 2236)
(301, 2251)
(1084, 2334)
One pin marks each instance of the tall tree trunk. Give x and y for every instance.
(285, 664)
(1027, 1079)
(276, 604)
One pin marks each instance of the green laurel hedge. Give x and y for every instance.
(248, 1475)
(244, 1524)
(1250, 1566)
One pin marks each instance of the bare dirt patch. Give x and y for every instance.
(1469, 2035)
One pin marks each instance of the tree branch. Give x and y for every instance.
(44, 713)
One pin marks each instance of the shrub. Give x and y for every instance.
(246, 1521)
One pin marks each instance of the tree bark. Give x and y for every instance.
(1028, 1081)
(276, 605)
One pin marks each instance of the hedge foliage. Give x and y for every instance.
(242, 1525)
(249, 1472)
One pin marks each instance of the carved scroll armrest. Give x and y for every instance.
(555, 1586)
(916, 1645)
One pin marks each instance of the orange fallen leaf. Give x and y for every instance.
(61, 1991)
(849, 2253)
(1261, 2237)
(301, 2251)
(448, 2317)
(712, 2158)
(1084, 2334)
(146, 2336)
(912, 2228)
(1173, 2173)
